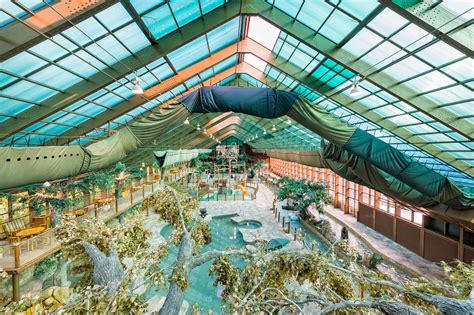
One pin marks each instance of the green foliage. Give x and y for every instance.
(259, 165)
(99, 180)
(201, 234)
(46, 267)
(125, 238)
(200, 164)
(303, 193)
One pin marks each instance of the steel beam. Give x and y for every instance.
(17, 37)
(141, 58)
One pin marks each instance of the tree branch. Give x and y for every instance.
(180, 210)
(205, 257)
(386, 307)
(445, 304)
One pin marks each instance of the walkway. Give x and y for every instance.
(392, 251)
(35, 249)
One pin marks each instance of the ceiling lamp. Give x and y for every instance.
(256, 136)
(198, 127)
(204, 131)
(288, 121)
(264, 131)
(186, 122)
(137, 89)
(46, 184)
(355, 87)
(274, 128)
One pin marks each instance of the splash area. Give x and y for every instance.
(223, 188)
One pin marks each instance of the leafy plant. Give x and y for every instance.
(303, 193)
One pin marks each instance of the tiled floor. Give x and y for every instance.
(393, 251)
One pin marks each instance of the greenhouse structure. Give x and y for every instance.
(236, 157)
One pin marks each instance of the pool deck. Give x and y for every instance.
(258, 210)
(398, 255)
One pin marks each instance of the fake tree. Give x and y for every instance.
(303, 193)
(302, 281)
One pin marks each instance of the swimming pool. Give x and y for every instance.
(310, 238)
(202, 290)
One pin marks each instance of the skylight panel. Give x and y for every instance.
(23, 63)
(263, 32)
(430, 81)
(189, 53)
(387, 22)
(185, 11)
(453, 94)
(383, 54)
(12, 107)
(224, 35)
(363, 41)
(412, 37)
(407, 68)
(255, 62)
(209, 5)
(461, 70)
(114, 16)
(439, 53)
(83, 31)
(160, 21)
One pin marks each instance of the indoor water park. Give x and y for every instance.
(236, 157)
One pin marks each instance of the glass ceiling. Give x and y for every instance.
(425, 70)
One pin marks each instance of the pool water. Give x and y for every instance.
(202, 290)
(310, 238)
(249, 225)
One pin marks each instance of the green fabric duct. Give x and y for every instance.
(416, 175)
(348, 165)
(21, 166)
(171, 157)
(321, 122)
(382, 155)
(358, 170)
(55, 162)
(309, 158)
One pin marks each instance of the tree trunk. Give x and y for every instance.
(108, 270)
(174, 298)
(60, 275)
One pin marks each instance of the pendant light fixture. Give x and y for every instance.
(274, 128)
(137, 89)
(355, 86)
(288, 121)
(186, 122)
(198, 128)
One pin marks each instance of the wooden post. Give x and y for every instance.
(279, 216)
(131, 194)
(289, 226)
(16, 250)
(283, 223)
(143, 191)
(96, 213)
(461, 244)
(294, 235)
(116, 204)
(16, 286)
